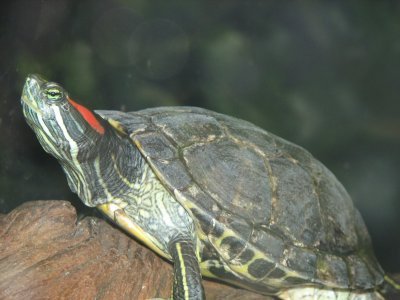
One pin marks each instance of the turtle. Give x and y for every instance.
(217, 196)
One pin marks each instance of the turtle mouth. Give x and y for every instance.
(30, 93)
(30, 104)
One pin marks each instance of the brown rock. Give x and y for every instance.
(46, 254)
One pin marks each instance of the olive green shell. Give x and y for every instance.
(272, 196)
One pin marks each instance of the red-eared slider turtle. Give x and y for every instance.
(216, 195)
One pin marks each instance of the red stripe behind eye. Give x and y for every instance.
(88, 116)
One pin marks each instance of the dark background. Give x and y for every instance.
(323, 75)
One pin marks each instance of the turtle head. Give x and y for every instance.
(62, 126)
(92, 153)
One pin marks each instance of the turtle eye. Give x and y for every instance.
(54, 94)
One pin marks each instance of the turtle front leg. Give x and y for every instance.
(187, 277)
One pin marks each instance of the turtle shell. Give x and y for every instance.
(273, 213)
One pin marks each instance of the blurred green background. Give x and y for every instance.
(324, 75)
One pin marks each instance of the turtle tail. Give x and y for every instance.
(390, 288)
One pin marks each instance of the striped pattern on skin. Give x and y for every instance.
(48, 130)
(156, 211)
(181, 270)
(106, 170)
(186, 270)
(109, 172)
(49, 139)
(74, 150)
(143, 199)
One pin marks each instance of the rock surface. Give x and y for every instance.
(45, 253)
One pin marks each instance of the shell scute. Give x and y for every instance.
(301, 259)
(157, 146)
(235, 178)
(186, 129)
(295, 185)
(171, 172)
(259, 268)
(338, 213)
(360, 276)
(333, 268)
(273, 245)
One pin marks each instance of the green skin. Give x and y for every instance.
(83, 143)
(107, 169)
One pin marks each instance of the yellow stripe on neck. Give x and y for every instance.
(183, 270)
